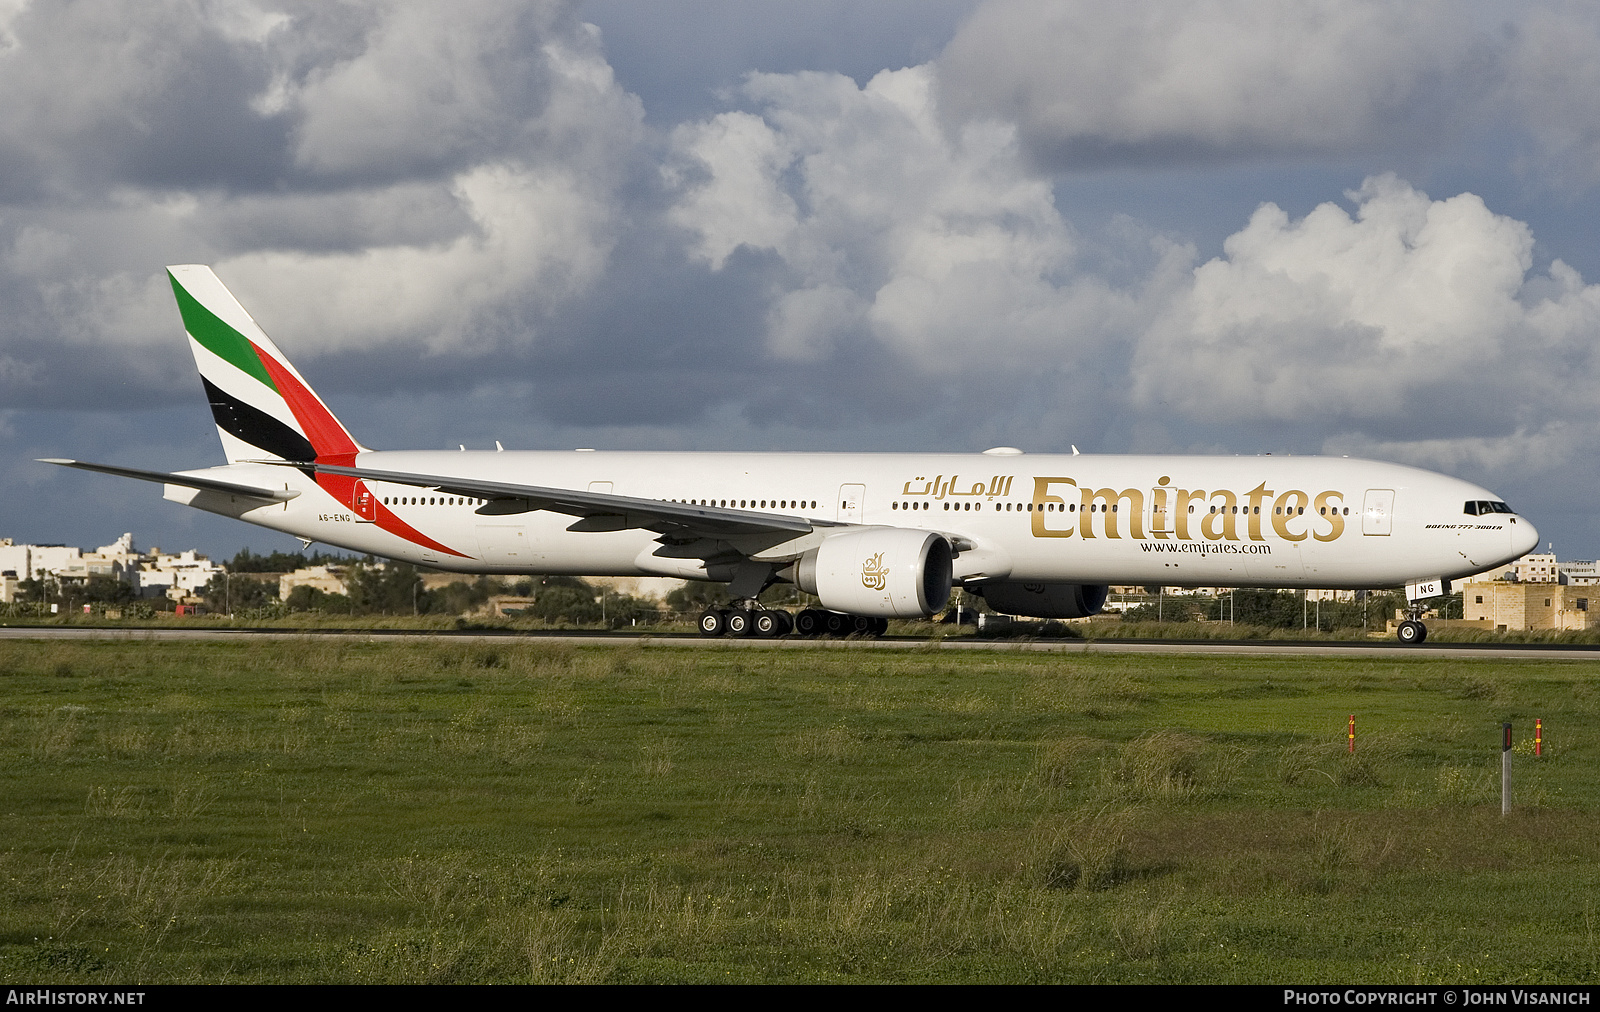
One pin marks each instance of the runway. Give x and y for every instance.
(1237, 648)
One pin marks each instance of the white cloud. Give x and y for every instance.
(805, 324)
(430, 83)
(939, 243)
(10, 10)
(1371, 316)
(539, 238)
(743, 203)
(1542, 451)
(1552, 73)
(521, 100)
(474, 158)
(1089, 81)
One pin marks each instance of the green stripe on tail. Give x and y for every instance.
(218, 338)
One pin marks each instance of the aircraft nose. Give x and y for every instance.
(1524, 538)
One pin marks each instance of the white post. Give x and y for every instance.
(1505, 768)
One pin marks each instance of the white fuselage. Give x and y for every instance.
(1266, 521)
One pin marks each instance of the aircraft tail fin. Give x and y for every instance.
(263, 408)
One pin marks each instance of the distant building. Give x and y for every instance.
(35, 562)
(1581, 573)
(328, 579)
(1330, 595)
(1537, 567)
(1510, 605)
(152, 574)
(175, 576)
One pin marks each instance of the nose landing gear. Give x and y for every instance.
(1412, 632)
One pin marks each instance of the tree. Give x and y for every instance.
(696, 596)
(280, 562)
(308, 598)
(107, 590)
(458, 598)
(566, 599)
(229, 592)
(392, 589)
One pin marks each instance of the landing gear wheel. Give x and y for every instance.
(770, 624)
(713, 622)
(1412, 632)
(809, 623)
(740, 622)
(863, 625)
(880, 626)
(836, 624)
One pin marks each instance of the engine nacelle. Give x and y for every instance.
(885, 572)
(1045, 600)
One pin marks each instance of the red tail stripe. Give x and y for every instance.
(343, 488)
(335, 446)
(327, 436)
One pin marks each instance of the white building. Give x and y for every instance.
(174, 576)
(151, 573)
(1581, 573)
(33, 562)
(1537, 567)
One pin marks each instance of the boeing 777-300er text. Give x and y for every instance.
(873, 536)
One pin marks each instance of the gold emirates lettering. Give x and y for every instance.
(874, 575)
(1108, 512)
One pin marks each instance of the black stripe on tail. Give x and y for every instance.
(256, 427)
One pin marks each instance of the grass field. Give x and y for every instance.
(440, 812)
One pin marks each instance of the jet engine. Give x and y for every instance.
(885, 572)
(1044, 600)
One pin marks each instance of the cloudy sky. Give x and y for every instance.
(1214, 226)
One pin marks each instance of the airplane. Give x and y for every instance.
(873, 536)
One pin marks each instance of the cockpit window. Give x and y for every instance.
(1484, 507)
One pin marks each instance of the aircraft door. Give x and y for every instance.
(600, 486)
(504, 545)
(852, 503)
(364, 503)
(1377, 514)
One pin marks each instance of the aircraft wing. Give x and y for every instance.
(596, 511)
(185, 480)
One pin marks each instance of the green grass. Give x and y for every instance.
(304, 810)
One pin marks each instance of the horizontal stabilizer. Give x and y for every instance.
(186, 480)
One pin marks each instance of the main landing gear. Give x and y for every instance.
(770, 623)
